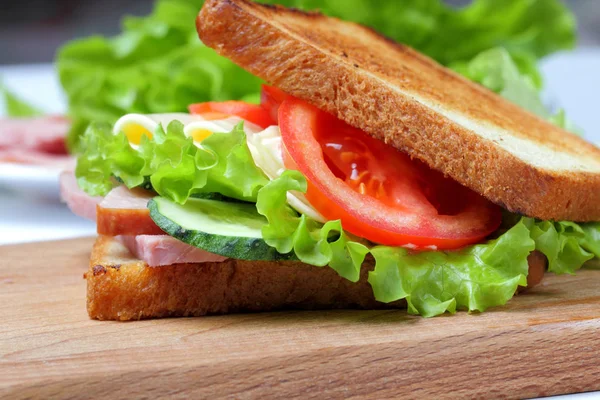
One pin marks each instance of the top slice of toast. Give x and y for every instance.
(486, 143)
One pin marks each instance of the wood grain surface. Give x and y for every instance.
(543, 343)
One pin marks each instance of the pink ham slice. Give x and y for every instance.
(122, 204)
(160, 250)
(77, 200)
(125, 212)
(121, 212)
(42, 134)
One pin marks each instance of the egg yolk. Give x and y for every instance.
(134, 133)
(200, 134)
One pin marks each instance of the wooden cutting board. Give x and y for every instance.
(543, 343)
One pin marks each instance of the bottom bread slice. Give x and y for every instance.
(121, 287)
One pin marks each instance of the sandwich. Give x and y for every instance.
(369, 176)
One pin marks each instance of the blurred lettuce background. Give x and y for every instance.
(32, 30)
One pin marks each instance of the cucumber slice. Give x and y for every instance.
(228, 229)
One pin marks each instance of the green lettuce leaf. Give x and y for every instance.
(566, 244)
(175, 167)
(312, 242)
(16, 107)
(591, 240)
(158, 64)
(474, 278)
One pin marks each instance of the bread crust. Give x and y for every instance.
(404, 98)
(120, 287)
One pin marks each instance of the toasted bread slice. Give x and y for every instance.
(397, 95)
(121, 287)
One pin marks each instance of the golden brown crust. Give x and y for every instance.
(119, 287)
(372, 83)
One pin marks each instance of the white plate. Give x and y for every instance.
(31, 181)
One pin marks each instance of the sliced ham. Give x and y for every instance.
(124, 212)
(160, 250)
(43, 134)
(77, 200)
(121, 212)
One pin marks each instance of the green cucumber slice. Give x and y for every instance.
(228, 229)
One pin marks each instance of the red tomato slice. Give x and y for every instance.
(378, 192)
(270, 99)
(249, 112)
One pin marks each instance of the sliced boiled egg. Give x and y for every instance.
(135, 126)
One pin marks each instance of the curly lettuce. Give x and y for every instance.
(173, 165)
(474, 278)
(158, 64)
(312, 242)
(567, 245)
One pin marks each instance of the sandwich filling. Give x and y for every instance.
(285, 181)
